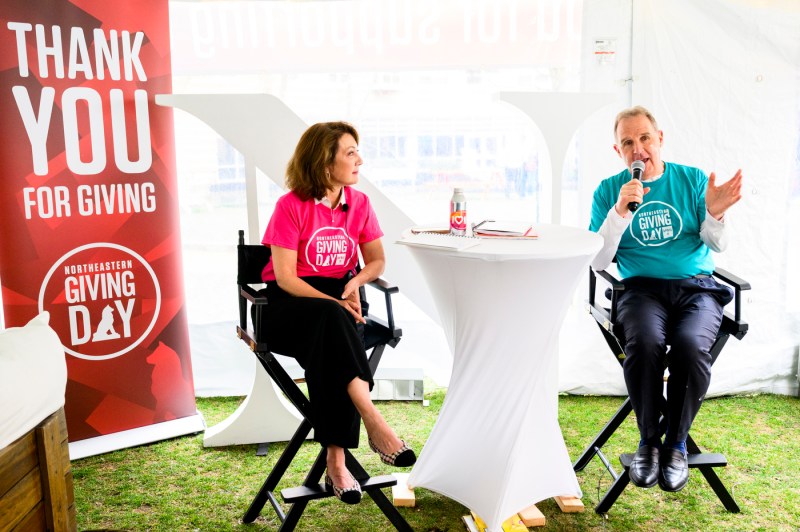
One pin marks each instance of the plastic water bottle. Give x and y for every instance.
(458, 213)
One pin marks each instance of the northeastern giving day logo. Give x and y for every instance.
(329, 247)
(656, 223)
(104, 296)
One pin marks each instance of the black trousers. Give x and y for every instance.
(325, 340)
(684, 314)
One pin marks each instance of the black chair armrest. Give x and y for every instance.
(616, 284)
(616, 287)
(249, 293)
(735, 326)
(387, 289)
(383, 286)
(738, 284)
(734, 280)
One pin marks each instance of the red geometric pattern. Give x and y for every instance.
(88, 204)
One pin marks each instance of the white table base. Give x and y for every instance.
(497, 446)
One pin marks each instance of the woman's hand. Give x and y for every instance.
(374, 261)
(351, 300)
(285, 264)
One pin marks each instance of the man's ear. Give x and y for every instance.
(616, 149)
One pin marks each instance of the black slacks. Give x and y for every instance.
(324, 339)
(684, 314)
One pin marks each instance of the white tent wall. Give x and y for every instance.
(723, 80)
(721, 77)
(585, 364)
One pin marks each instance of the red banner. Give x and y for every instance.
(88, 204)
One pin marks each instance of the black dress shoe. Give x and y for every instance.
(673, 473)
(644, 467)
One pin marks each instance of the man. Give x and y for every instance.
(663, 250)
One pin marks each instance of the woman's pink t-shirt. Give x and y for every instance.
(326, 240)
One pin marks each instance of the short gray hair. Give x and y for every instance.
(630, 113)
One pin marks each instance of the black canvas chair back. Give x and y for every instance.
(606, 318)
(378, 334)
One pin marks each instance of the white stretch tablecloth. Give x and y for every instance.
(497, 447)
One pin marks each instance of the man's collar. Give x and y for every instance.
(657, 177)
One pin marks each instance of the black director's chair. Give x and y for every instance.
(606, 318)
(377, 335)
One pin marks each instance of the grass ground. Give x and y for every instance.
(180, 485)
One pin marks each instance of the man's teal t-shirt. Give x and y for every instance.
(663, 239)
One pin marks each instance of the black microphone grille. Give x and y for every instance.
(345, 207)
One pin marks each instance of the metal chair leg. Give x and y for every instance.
(613, 493)
(603, 436)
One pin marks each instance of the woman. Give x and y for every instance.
(313, 290)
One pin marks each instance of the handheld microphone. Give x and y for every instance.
(637, 169)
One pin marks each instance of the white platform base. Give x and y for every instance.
(139, 436)
(264, 416)
(398, 384)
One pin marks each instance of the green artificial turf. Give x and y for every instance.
(180, 485)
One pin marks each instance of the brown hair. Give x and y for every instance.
(630, 113)
(307, 172)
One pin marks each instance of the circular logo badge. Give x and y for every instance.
(655, 223)
(103, 298)
(329, 248)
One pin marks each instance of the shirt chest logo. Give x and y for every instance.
(329, 247)
(656, 223)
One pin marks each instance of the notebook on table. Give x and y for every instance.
(438, 238)
(501, 229)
